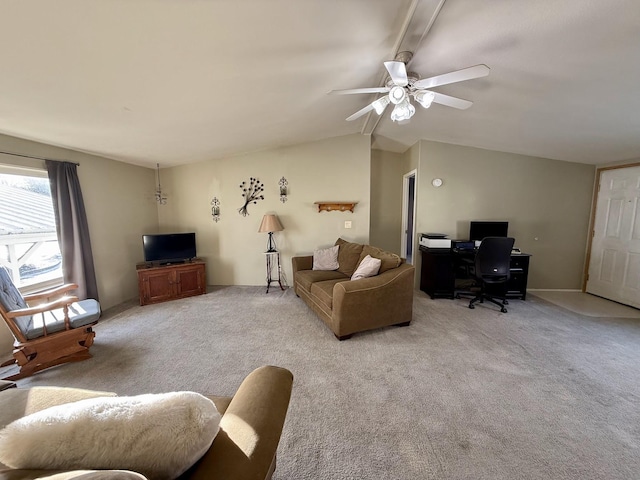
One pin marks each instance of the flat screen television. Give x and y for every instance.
(480, 230)
(169, 247)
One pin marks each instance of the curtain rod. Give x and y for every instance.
(35, 158)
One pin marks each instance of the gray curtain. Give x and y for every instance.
(72, 228)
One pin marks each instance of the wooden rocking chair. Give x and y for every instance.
(49, 328)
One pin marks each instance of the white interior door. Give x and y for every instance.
(614, 267)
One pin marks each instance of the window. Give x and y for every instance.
(28, 240)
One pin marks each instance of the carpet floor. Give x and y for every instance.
(538, 393)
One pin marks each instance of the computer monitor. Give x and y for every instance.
(480, 230)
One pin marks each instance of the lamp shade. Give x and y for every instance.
(270, 223)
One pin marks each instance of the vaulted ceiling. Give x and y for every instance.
(180, 81)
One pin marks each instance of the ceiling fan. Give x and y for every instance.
(402, 85)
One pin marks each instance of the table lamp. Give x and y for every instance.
(270, 224)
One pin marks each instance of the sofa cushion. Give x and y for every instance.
(348, 256)
(10, 297)
(304, 278)
(322, 292)
(82, 313)
(368, 267)
(326, 258)
(389, 260)
(158, 435)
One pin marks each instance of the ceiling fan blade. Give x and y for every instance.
(360, 112)
(449, 101)
(349, 91)
(398, 73)
(453, 77)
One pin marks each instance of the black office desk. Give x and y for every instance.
(441, 267)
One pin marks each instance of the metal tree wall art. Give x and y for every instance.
(252, 192)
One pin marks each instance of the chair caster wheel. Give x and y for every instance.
(505, 302)
(472, 307)
(504, 310)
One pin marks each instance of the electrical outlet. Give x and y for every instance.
(347, 224)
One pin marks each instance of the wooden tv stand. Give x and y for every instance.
(161, 283)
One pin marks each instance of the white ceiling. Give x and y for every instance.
(180, 81)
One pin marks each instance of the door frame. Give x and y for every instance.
(405, 210)
(594, 202)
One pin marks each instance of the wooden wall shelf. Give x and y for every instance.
(336, 206)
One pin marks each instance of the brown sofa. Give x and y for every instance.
(259, 405)
(349, 306)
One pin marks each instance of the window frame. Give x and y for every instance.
(28, 171)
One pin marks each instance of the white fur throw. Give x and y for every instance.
(157, 435)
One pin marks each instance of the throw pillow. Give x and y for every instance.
(349, 256)
(157, 435)
(389, 260)
(326, 259)
(368, 268)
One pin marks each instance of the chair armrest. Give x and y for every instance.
(250, 429)
(385, 299)
(43, 307)
(53, 292)
(302, 263)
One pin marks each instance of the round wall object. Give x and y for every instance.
(436, 182)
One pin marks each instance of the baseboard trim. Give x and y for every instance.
(554, 290)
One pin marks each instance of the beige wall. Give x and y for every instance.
(387, 170)
(546, 203)
(336, 169)
(120, 208)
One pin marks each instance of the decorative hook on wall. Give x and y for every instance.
(160, 197)
(283, 189)
(215, 209)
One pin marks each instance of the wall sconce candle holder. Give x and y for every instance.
(215, 209)
(160, 197)
(283, 189)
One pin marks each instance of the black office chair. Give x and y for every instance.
(491, 270)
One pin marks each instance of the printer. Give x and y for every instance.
(463, 245)
(434, 240)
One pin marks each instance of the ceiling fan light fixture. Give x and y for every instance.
(425, 98)
(403, 111)
(380, 104)
(400, 85)
(397, 95)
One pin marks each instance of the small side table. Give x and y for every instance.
(273, 260)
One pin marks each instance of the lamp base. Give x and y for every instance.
(271, 244)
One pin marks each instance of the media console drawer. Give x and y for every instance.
(162, 283)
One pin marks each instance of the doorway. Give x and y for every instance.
(408, 215)
(614, 255)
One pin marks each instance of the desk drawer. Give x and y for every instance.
(437, 277)
(519, 261)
